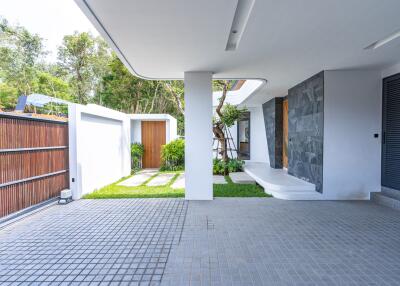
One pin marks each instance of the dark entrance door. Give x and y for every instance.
(391, 132)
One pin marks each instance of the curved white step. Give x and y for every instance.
(281, 185)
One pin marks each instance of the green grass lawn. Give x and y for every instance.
(228, 190)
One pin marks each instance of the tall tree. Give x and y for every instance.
(84, 59)
(20, 54)
(225, 117)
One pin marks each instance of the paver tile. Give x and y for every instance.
(62, 243)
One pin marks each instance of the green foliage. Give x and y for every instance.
(127, 93)
(137, 151)
(20, 53)
(238, 190)
(230, 114)
(115, 191)
(83, 59)
(233, 165)
(86, 71)
(51, 85)
(173, 155)
(8, 96)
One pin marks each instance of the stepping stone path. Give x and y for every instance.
(179, 182)
(160, 180)
(219, 179)
(138, 179)
(164, 178)
(241, 178)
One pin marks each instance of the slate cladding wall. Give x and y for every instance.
(306, 130)
(272, 111)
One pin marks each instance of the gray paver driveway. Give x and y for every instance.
(256, 241)
(246, 241)
(97, 242)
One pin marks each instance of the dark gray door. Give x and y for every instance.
(391, 132)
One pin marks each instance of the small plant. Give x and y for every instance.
(137, 151)
(173, 156)
(233, 165)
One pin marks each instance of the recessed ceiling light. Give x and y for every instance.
(242, 14)
(384, 41)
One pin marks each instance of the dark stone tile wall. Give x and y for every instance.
(306, 130)
(272, 111)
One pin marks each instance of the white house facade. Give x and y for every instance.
(324, 122)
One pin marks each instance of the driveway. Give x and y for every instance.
(246, 241)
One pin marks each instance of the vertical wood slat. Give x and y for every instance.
(20, 132)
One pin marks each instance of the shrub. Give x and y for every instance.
(173, 156)
(233, 165)
(137, 151)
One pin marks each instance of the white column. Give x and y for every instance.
(198, 136)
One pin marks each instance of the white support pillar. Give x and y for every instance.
(198, 136)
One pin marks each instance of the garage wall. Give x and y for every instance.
(352, 155)
(99, 147)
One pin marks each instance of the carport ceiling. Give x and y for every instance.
(283, 41)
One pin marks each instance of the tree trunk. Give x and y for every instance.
(218, 129)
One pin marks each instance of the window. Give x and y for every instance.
(244, 137)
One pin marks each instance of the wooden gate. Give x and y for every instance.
(33, 161)
(153, 137)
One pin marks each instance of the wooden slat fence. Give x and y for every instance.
(33, 161)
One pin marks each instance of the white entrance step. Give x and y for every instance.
(280, 184)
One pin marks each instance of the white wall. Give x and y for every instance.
(352, 115)
(99, 147)
(136, 131)
(258, 138)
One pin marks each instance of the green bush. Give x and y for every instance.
(137, 151)
(233, 165)
(173, 156)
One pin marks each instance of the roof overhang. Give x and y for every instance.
(283, 41)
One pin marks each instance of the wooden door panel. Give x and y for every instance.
(153, 137)
(285, 123)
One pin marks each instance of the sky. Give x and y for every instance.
(51, 19)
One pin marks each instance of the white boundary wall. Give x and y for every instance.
(99, 142)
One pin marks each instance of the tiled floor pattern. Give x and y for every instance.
(243, 241)
(259, 241)
(96, 242)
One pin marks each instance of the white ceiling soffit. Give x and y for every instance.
(282, 41)
(236, 97)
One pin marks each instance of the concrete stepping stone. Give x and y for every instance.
(219, 179)
(138, 179)
(160, 180)
(241, 178)
(179, 182)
